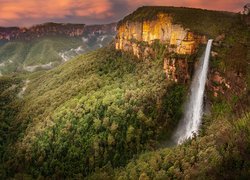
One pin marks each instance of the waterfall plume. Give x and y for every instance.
(191, 121)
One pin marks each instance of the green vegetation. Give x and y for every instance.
(97, 109)
(16, 54)
(223, 152)
(205, 22)
(9, 87)
(46, 50)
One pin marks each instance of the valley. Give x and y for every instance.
(46, 46)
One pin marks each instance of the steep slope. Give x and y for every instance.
(15, 56)
(174, 34)
(78, 116)
(222, 148)
(221, 153)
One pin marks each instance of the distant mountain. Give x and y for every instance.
(48, 45)
(48, 29)
(23, 33)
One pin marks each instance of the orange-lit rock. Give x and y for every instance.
(176, 69)
(138, 38)
(181, 40)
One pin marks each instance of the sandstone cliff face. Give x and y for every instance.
(139, 37)
(176, 70)
(178, 39)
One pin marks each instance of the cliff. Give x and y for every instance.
(173, 36)
(144, 38)
(23, 33)
(53, 29)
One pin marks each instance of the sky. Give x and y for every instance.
(30, 12)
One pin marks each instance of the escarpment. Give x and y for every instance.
(174, 36)
(53, 29)
(162, 38)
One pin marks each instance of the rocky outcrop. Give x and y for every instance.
(229, 85)
(130, 36)
(141, 37)
(176, 69)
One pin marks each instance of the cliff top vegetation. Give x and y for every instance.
(206, 22)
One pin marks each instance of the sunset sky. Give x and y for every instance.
(29, 12)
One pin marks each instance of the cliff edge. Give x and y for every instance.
(172, 34)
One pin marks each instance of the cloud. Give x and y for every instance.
(28, 12)
(39, 10)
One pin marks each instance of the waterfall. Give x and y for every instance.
(191, 121)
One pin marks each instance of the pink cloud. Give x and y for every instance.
(28, 12)
(21, 9)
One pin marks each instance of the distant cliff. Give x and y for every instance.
(51, 29)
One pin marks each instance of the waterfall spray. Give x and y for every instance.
(191, 121)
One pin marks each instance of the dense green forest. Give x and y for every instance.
(101, 107)
(106, 114)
